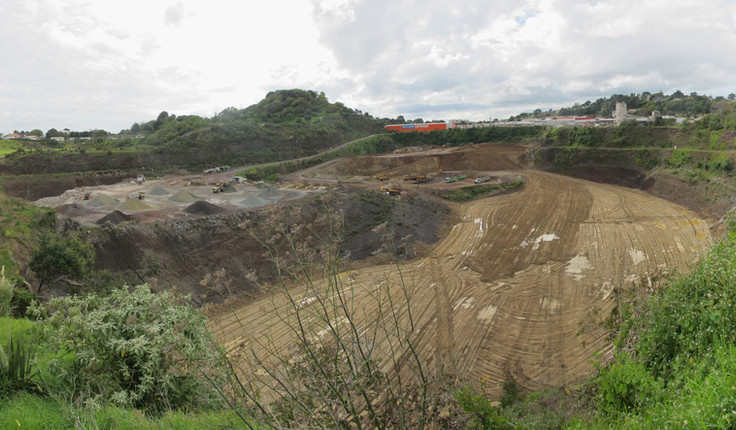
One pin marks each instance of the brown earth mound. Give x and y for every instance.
(229, 188)
(115, 217)
(487, 157)
(73, 210)
(204, 208)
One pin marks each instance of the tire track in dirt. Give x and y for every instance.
(508, 290)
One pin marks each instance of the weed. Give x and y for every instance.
(342, 366)
(482, 414)
(16, 368)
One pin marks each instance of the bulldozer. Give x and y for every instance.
(218, 188)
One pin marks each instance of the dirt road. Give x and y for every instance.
(515, 287)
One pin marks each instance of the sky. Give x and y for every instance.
(89, 64)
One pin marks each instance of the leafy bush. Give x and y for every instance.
(21, 300)
(625, 386)
(696, 312)
(482, 414)
(679, 158)
(131, 348)
(512, 392)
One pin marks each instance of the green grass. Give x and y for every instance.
(8, 147)
(31, 412)
(35, 412)
(16, 326)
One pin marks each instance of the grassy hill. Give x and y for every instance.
(286, 124)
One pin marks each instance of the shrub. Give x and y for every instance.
(482, 414)
(21, 300)
(679, 158)
(131, 348)
(626, 386)
(692, 315)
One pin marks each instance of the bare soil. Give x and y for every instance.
(519, 284)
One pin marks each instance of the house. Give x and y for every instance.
(12, 136)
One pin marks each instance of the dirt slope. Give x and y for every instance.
(507, 291)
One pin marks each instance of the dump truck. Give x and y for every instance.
(390, 191)
(381, 176)
(137, 195)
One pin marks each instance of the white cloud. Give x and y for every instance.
(85, 64)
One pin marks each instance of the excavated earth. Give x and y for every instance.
(519, 284)
(509, 285)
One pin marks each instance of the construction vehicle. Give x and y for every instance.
(381, 176)
(137, 195)
(390, 191)
(482, 180)
(451, 179)
(416, 177)
(87, 196)
(218, 188)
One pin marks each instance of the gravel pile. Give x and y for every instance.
(203, 208)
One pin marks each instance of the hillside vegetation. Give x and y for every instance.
(286, 124)
(644, 104)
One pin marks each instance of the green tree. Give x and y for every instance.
(52, 133)
(35, 132)
(99, 135)
(59, 258)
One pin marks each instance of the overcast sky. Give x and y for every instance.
(85, 64)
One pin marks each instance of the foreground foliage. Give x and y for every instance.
(35, 412)
(131, 348)
(681, 365)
